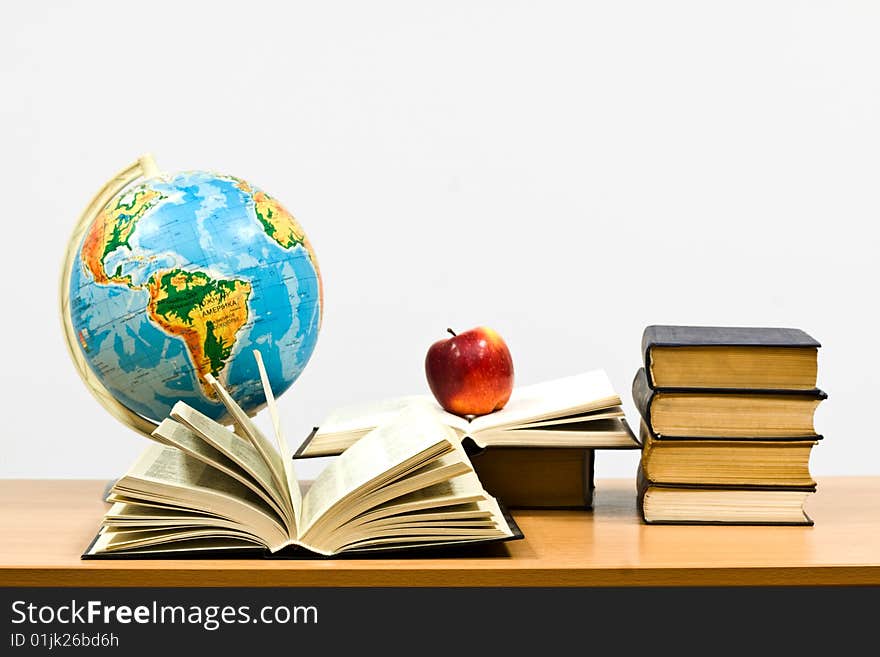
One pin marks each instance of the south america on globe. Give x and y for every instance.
(179, 278)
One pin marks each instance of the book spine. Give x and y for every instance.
(648, 339)
(642, 395)
(589, 477)
(644, 482)
(806, 522)
(300, 453)
(641, 488)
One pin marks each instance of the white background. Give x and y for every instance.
(566, 173)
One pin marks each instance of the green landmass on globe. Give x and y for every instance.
(178, 275)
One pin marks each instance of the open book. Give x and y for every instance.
(203, 488)
(580, 411)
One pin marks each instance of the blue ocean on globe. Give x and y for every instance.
(184, 275)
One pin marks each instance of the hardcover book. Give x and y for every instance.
(537, 477)
(719, 462)
(724, 413)
(683, 504)
(205, 489)
(580, 411)
(729, 357)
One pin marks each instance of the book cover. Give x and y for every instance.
(720, 336)
(666, 335)
(301, 451)
(644, 485)
(535, 477)
(741, 463)
(645, 431)
(644, 397)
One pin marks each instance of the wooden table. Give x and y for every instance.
(46, 525)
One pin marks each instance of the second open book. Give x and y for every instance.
(203, 488)
(580, 411)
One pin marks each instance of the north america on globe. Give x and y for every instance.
(180, 277)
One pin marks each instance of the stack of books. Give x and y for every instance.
(726, 424)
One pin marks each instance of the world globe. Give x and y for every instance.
(178, 278)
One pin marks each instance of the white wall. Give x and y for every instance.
(564, 172)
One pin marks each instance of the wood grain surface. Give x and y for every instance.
(46, 525)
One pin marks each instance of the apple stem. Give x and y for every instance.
(451, 332)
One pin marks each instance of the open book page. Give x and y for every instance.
(345, 425)
(415, 437)
(134, 539)
(167, 475)
(324, 533)
(451, 492)
(201, 486)
(294, 490)
(410, 501)
(605, 433)
(385, 511)
(213, 444)
(558, 398)
(106, 543)
(578, 418)
(117, 498)
(490, 523)
(249, 430)
(131, 515)
(473, 514)
(568, 399)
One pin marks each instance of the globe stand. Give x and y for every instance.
(144, 167)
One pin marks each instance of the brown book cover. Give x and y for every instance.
(720, 338)
(536, 477)
(644, 397)
(644, 485)
(719, 462)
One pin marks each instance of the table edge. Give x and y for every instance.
(868, 575)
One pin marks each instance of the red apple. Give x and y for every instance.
(470, 373)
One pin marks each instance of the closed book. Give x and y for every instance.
(729, 357)
(721, 413)
(719, 462)
(681, 504)
(535, 477)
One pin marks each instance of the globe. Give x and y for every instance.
(179, 278)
